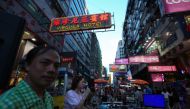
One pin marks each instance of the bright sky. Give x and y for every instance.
(109, 40)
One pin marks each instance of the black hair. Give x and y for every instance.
(36, 51)
(75, 82)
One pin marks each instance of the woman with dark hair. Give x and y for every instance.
(74, 99)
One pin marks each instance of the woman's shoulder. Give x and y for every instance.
(71, 92)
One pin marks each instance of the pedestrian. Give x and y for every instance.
(166, 97)
(74, 99)
(176, 104)
(170, 97)
(188, 95)
(41, 65)
(147, 90)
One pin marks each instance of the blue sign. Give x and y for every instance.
(154, 100)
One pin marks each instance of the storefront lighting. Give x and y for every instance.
(27, 33)
(33, 39)
(167, 33)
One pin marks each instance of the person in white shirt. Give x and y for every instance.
(166, 97)
(74, 99)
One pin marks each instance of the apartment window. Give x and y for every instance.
(55, 6)
(35, 12)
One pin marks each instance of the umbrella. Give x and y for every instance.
(139, 81)
(99, 81)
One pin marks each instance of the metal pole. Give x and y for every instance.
(65, 83)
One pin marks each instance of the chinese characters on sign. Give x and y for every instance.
(144, 59)
(77, 23)
(162, 68)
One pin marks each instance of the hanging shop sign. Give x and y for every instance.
(162, 68)
(157, 77)
(67, 59)
(175, 6)
(117, 68)
(78, 23)
(121, 61)
(144, 59)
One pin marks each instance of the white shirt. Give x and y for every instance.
(72, 99)
(166, 95)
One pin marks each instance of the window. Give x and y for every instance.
(35, 12)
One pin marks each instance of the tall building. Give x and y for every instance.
(38, 15)
(104, 72)
(149, 30)
(95, 56)
(120, 50)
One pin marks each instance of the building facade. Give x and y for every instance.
(95, 57)
(38, 15)
(148, 31)
(120, 50)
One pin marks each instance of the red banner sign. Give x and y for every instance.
(144, 59)
(162, 68)
(68, 59)
(77, 23)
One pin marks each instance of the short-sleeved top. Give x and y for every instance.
(72, 99)
(23, 97)
(166, 95)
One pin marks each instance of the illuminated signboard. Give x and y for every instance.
(162, 68)
(77, 23)
(121, 61)
(175, 6)
(67, 59)
(117, 68)
(144, 59)
(157, 77)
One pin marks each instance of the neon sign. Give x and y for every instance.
(162, 68)
(67, 60)
(175, 6)
(144, 59)
(121, 61)
(77, 23)
(176, 1)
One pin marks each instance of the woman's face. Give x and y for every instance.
(80, 85)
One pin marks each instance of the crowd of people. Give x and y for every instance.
(41, 65)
